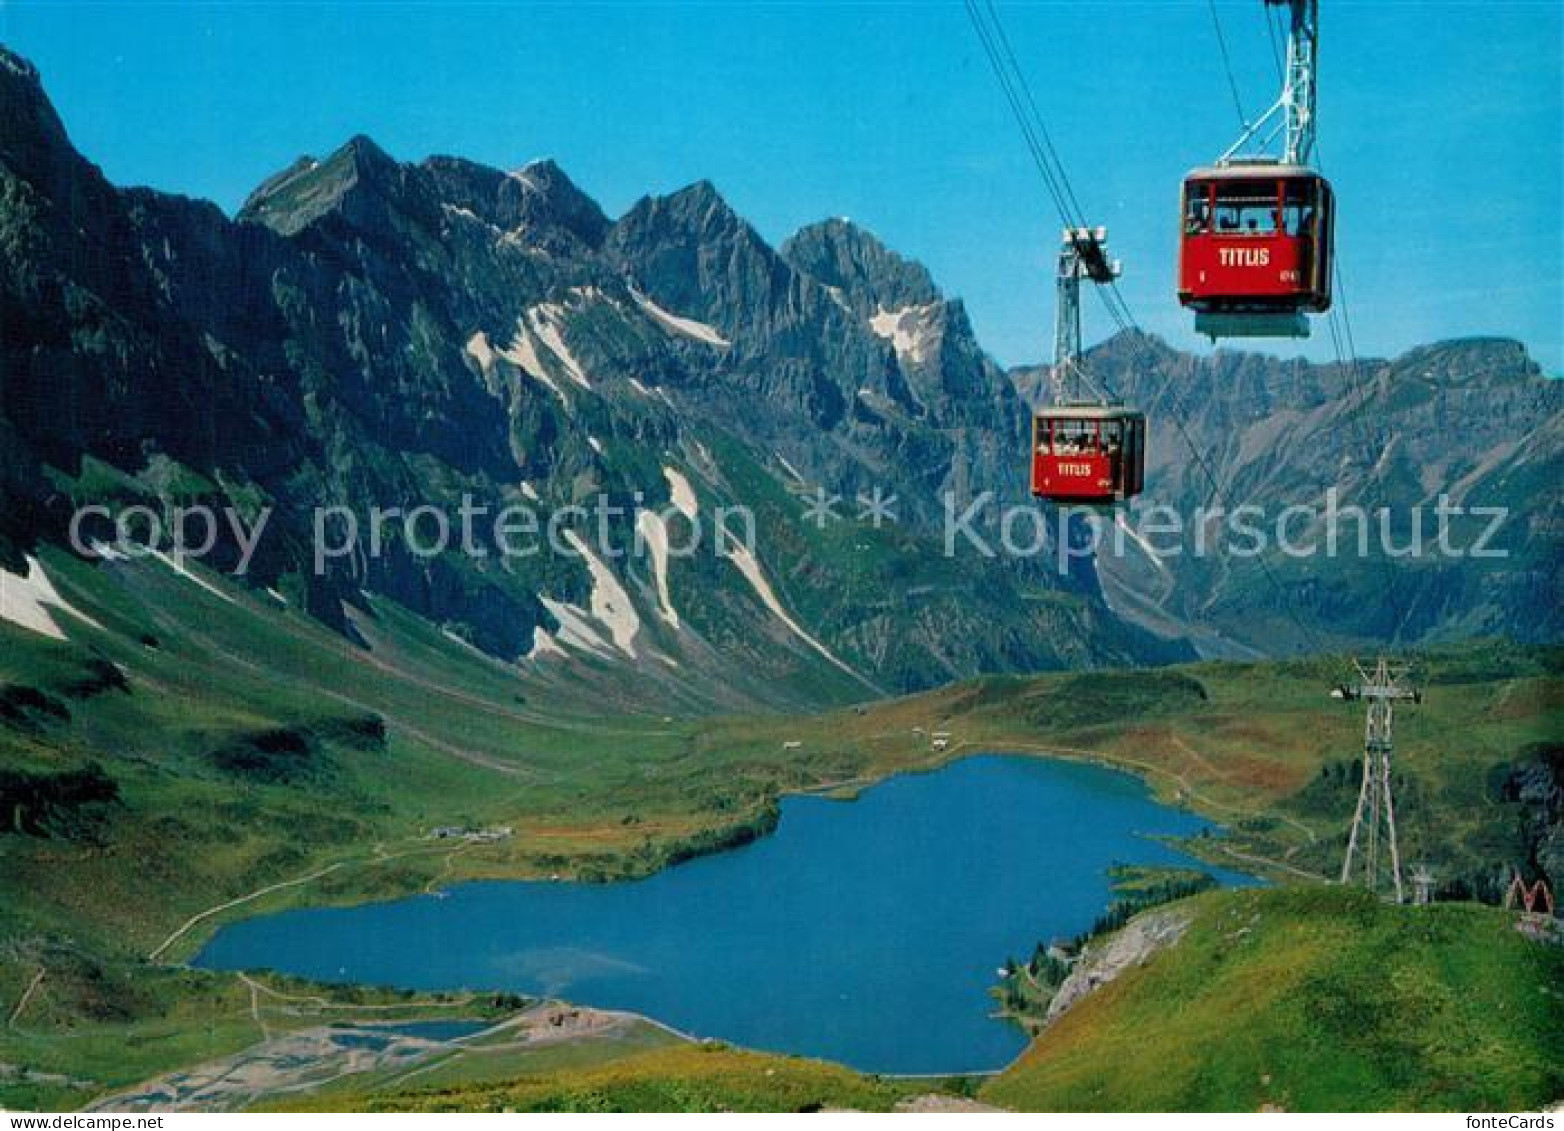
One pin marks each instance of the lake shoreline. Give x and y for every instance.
(722, 838)
(969, 896)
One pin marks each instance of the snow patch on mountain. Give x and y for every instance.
(677, 324)
(910, 330)
(547, 321)
(471, 217)
(521, 353)
(184, 571)
(1140, 542)
(25, 601)
(653, 530)
(682, 493)
(479, 349)
(575, 627)
(791, 470)
(744, 560)
(610, 604)
(456, 638)
(543, 644)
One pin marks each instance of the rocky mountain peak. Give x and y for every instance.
(853, 261)
(1470, 361)
(695, 212)
(547, 197)
(32, 137)
(698, 196)
(692, 252)
(309, 189)
(15, 68)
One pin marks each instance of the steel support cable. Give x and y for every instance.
(1227, 66)
(1063, 177)
(1276, 50)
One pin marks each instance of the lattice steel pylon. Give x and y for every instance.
(1290, 120)
(1374, 821)
(1083, 254)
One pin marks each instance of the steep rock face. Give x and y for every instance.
(863, 272)
(942, 374)
(1473, 421)
(97, 356)
(1132, 945)
(374, 333)
(538, 205)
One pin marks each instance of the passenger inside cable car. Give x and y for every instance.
(1257, 239)
(1092, 455)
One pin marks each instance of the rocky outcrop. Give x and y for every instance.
(1132, 945)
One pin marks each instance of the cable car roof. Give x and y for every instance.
(1240, 170)
(1089, 412)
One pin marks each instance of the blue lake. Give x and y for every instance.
(866, 932)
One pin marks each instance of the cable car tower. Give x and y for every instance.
(1375, 817)
(1086, 449)
(1083, 254)
(1259, 225)
(1293, 111)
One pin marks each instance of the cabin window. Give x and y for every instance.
(1298, 208)
(1197, 211)
(1074, 437)
(1246, 216)
(1082, 437)
(1112, 437)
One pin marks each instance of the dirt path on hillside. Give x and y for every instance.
(311, 1058)
(378, 857)
(27, 996)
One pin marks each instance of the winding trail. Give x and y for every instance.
(380, 856)
(27, 996)
(255, 1007)
(201, 916)
(1268, 862)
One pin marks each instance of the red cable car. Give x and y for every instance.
(1256, 247)
(1089, 455)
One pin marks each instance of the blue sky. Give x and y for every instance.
(1440, 125)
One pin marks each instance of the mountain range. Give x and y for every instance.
(1472, 422)
(372, 333)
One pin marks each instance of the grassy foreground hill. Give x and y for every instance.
(684, 1077)
(1312, 999)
